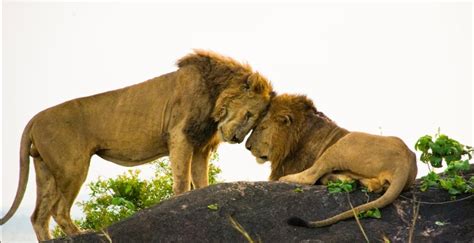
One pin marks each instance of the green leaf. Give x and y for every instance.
(298, 190)
(453, 191)
(459, 166)
(425, 158)
(455, 184)
(372, 213)
(436, 161)
(341, 186)
(441, 223)
(422, 144)
(446, 184)
(128, 188)
(116, 201)
(430, 180)
(213, 207)
(333, 190)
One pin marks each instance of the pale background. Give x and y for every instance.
(396, 69)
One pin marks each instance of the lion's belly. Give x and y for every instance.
(134, 154)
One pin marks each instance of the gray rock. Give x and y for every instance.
(262, 209)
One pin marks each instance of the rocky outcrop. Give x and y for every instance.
(262, 208)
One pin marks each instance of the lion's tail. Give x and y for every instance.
(393, 191)
(24, 171)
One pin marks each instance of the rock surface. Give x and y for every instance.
(263, 207)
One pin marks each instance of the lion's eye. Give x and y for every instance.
(285, 120)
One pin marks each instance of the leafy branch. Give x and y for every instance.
(455, 156)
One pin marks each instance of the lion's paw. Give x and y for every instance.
(295, 178)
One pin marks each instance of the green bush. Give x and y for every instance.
(442, 149)
(114, 199)
(455, 156)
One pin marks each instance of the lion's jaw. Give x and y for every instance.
(259, 149)
(260, 160)
(234, 131)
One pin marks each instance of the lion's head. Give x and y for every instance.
(281, 129)
(241, 95)
(238, 109)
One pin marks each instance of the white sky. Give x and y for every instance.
(400, 69)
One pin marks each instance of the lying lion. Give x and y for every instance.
(296, 138)
(183, 114)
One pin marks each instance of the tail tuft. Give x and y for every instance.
(295, 221)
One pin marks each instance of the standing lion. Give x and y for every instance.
(305, 146)
(183, 114)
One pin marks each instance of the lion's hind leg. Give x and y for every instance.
(67, 169)
(61, 212)
(336, 177)
(68, 189)
(46, 196)
(372, 184)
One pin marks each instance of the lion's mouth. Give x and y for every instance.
(262, 159)
(234, 139)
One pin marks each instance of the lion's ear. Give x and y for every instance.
(285, 119)
(307, 104)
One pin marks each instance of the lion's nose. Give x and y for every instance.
(248, 146)
(235, 139)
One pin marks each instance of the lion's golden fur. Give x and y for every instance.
(290, 145)
(304, 146)
(183, 114)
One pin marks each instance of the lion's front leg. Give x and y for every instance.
(298, 178)
(181, 152)
(200, 168)
(308, 176)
